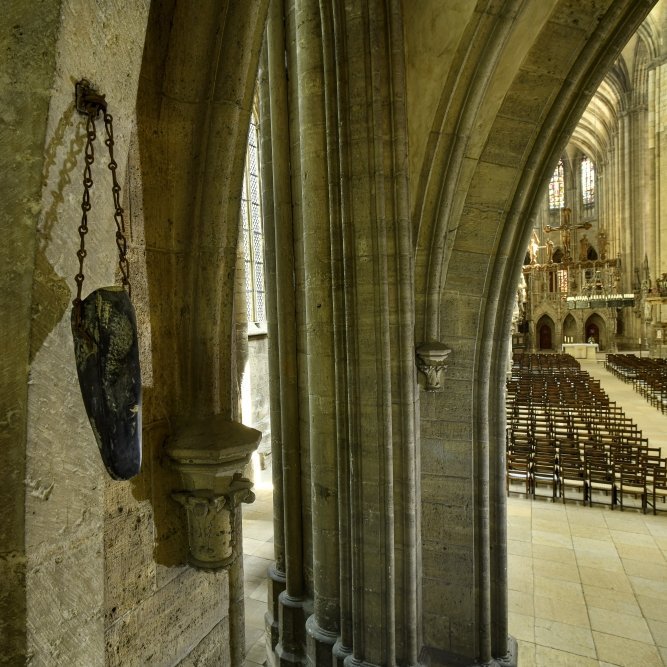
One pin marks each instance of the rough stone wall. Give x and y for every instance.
(92, 569)
(27, 40)
(65, 480)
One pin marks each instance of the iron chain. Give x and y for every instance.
(92, 111)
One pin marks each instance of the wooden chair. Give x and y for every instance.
(600, 476)
(518, 467)
(545, 471)
(659, 487)
(572, 474)
(632, 480)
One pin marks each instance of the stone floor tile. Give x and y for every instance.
(657, 525)
(523, 564)
(658, 631)
(645, 569)
(522, 535)
(526, 654)
(604, 578)
(521, 603)
(652, 607)
(549, 657)
(611, 563)
(623, 602)
(259, 592)
(558, 554)
(628, 522)
(519, 509)
(558, 588)
(564, 637)
(552, 539)
(523, 626)
(599, 547)
(576, 517)
(266, 550)
(257, 653)
(254, 614)
(250, 545)
(252, 636)
(625, 652)
(649, 587)
(651, 554)
(519, 548)
(632, 539)
(590, 531)
(620, 625)
(556, 570)
(516, 581)
(257, 528)
(561, 610)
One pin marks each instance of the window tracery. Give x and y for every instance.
(253, 229)
(557, 188)
(587, 181)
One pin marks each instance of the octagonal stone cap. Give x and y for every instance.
(433, 352)
(213, 440)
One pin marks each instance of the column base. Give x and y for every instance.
(275, 585)
(290, 647)
(433, 657)
(319, 643)
(340, 653)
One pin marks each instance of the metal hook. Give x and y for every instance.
(88, 101)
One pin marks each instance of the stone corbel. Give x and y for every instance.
(210, 455)
(431, 361)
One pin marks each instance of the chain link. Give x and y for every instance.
(121, 242)
(89, 157)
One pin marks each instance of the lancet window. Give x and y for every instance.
(587, 181)
(253, 229)
(557, 188)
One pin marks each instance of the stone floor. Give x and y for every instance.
(587, 585)
(257, 557)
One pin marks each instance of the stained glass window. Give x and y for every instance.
(253, 229)
(587, 181)
(557, 188)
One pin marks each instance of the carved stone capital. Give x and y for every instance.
(209, 455)
(432, 361)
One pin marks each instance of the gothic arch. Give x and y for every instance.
(570, 328)
(597, 328)
(475, 206)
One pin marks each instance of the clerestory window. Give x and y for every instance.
(587, 181)
(557, 188)
(253, 229)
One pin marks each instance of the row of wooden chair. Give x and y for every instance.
(648, 376)
(564, 432)
(615, 473)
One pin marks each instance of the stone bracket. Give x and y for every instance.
(431, 361)
(210, 454)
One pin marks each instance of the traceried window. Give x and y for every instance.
(253, 231)
(587, 181)
(557, 188)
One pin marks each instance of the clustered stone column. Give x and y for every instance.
(346, 396)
